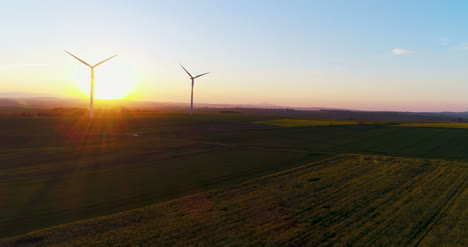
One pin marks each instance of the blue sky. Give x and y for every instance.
(374, 55)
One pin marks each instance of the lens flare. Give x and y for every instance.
(112, 81)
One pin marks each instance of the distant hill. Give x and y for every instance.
(25, 95)
(37, 101)
(15, 99)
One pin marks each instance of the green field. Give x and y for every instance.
(343, 201)
(111, 181)
(308, 122)
(53, 179)
(61, 169)
(381, 139)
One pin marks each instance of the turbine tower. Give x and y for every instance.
(193, 82)
(91, 97)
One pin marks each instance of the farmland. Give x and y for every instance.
(307, 122)
(345, 200)
(56, 170)
(99, 180)
(437, 125)
(378, 138)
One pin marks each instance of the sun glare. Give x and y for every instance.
(113, 80)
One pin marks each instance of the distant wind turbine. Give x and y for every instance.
(193, 82)
(91, 98)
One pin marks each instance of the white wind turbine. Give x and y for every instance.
(91, 97)
(193, 82)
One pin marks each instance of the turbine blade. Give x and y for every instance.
(186, 71)
(201, 75)
(85, 63)
(103, 61)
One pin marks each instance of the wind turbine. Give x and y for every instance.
(91, 97)
(193, 82)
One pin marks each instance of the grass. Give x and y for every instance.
(307, 122)
(124, 123)
(348, 200)
(379, 139)
(56, 185)
(435, 125)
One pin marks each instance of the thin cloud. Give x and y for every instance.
(463, 46)
(445, 42)
(399, 51)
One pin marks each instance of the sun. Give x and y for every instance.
(113, 80)
(112, 84)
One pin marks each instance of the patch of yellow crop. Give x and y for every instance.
(436, 125)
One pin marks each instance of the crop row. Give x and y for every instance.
(346, 200)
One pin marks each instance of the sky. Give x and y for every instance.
(366, 55)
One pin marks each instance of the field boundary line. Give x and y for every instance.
(201, 142)
(257, 147)
(328, 152)
(222, 148)
(291, 150)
